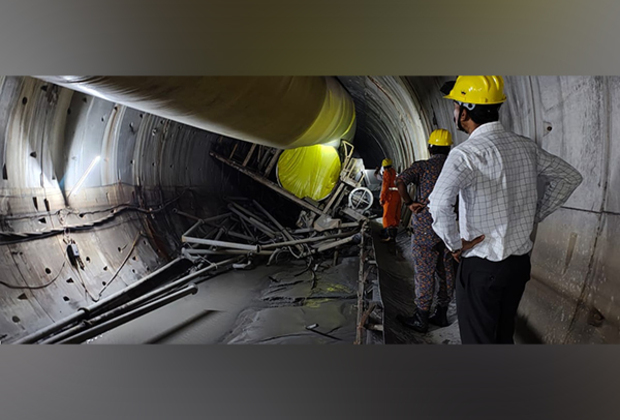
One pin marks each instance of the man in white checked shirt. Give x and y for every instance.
(495, 173)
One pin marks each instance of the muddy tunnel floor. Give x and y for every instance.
(278, 304)
(396, 274)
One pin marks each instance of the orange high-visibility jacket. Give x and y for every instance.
(390, 199)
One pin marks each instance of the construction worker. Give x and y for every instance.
(495, 174)
(429, 252)
(389, 199)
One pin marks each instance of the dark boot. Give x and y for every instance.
(418, 322)
(388, 235)
(440, 316)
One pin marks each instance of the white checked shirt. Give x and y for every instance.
(495, 172)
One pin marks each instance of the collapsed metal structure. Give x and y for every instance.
(245, 235)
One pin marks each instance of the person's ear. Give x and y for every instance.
(465, 115)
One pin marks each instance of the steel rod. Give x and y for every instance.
(140, 300)
(193, 228)
(306, 240)
(268, 184)
(225, 252)
(83, 312)
(260, 226)
(234, 245)
(129, 316)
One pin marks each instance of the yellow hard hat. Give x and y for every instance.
(478, 90)
(386, 162)
(440, 137)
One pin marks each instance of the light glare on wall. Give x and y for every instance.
(77, 186)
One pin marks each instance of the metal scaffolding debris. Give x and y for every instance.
(250, 230)
(321, 228)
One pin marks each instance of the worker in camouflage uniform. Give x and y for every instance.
(429, 252)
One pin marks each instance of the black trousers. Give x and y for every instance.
(487, 297)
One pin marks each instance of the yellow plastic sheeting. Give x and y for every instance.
(309, 171)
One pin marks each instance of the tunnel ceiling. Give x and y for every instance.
(121, 215)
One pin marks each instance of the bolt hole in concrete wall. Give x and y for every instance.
(24, 101)
(47, 271)
(15, 319)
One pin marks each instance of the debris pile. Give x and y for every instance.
(248, 229)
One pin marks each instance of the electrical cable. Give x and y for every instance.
(43, 286)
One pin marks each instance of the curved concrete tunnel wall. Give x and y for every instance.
(52, 135)
(147, 161)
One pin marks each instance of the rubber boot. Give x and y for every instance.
(440, 316)
(418, 322)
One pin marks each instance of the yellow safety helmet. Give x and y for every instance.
(440, 137)
(386, 162)
(478, 90)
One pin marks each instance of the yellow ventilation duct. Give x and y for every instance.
(310, 171)
(281, 112)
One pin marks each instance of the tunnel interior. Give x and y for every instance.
(77, 167)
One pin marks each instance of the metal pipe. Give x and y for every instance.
(342, 226)
(137, 302)
(234, 245)
(325, 247)
(129, 316)
(194, 227)
(210, 267)
(249, 213)
(225, 252)
(307, 240)
(269, 184)
(82, 313)
(207, 220)
(260, 226)
(286, 234)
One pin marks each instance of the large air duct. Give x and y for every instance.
(281, 112)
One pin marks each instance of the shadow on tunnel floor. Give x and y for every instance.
(396, 273)
(525, 334)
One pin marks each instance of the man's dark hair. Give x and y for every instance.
(438, 150)
(483, 114)
(447, 87)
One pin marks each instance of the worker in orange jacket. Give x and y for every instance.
(390, 200)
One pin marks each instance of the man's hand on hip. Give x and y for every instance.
(467, 245)
(416, 207)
